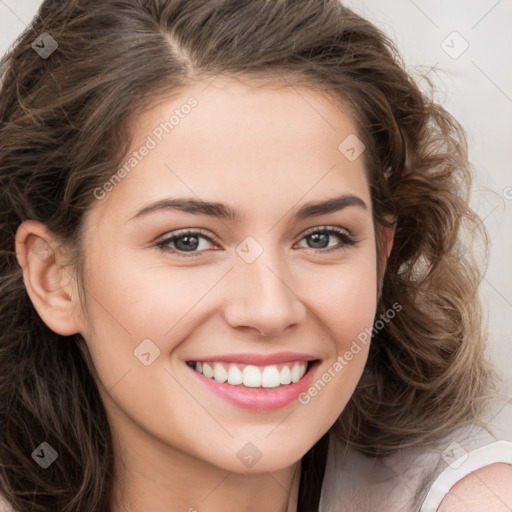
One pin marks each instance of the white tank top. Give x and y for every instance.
(415, 479)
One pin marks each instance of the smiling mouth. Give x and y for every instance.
(274, 376)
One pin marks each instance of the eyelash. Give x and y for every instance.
(346, 240)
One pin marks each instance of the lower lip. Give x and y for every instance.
(259, 399)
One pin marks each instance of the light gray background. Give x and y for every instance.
(476, 87)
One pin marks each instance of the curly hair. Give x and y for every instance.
(65, 126)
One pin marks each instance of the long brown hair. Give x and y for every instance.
(64, 129)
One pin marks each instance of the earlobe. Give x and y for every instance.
(49, 284)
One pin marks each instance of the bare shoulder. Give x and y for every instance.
(488, 489)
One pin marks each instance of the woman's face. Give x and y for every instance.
(307, 281)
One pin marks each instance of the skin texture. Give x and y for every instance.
(487, 489)
(265, 152)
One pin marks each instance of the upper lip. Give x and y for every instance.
(257, 359)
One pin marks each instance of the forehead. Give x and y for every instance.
(250, 146)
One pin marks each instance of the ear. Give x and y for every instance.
(50, 285)
(386, 236)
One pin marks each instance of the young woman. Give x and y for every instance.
(232, 275)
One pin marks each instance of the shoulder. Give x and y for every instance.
(486, 489)
(476, 475)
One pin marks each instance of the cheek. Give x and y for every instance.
(344, 297)
(345, 305)
(129, 302)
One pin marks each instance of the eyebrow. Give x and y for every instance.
(223, 211)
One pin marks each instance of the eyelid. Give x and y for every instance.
(168, 238)
(163, 242)
(347, 239)
(333, 228)
(185, 231)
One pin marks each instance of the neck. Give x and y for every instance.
(171, 480)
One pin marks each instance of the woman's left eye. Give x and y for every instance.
(190, 241)
(319, 236)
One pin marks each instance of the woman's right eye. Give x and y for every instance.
(184, 242)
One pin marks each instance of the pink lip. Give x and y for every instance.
(257, 359)
(259, 399)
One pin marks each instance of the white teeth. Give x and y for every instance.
(234, 375)
(286, 375)
(270, 377)
(219, 373)
(207, 370)
(297, 372)
(253, 376)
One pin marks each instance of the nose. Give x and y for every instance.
(263, 296)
